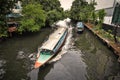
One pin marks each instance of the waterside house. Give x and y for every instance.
(109, 7)
(13, 18)
(112, 10)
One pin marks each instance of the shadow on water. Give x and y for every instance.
(67, 68)
(40, 73)
(44, 71)
(33, 74)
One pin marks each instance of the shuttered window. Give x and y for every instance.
(116, 14)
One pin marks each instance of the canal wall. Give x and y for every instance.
(114, 46)
(108, 27)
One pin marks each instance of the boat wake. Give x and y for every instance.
(33, 75)
(66, 46)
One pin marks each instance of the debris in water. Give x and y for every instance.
(20, 55)
(30, 56)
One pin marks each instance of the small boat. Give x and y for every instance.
(80, 27)
(51, 46)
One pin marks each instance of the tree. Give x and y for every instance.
(66, 13)
(53, 10)
(53, 16)
(76, 9)
(91, 11)
(93, 16)
(33, 18)
(49, 5)
(81, 10)
(5, 8)
(26, 2)
(101, 15)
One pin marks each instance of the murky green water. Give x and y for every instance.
(101, 62)
(15, 51)
(89, 59)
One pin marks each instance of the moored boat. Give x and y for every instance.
(79, 27)
(51, 46)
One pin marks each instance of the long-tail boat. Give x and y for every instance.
(51, 46)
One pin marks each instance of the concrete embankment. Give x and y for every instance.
(112, 45)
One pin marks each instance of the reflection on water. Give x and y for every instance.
(65, 48)
(101, 62)
(70, 67)
(88, 59)
(15, 55)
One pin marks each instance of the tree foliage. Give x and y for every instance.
(53, 10)
(5, 8)
(36, 13)
(66, 14)
(33, 18)
(81, 10)
(49, 5)
(77, 9)
(101, 14)
(53, 16)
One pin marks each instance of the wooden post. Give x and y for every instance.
(115, 33)
(10, 34)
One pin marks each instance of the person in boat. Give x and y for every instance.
(43, 51)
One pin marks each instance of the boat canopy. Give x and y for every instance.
(15, 15)
(80, 25)
(53, 39)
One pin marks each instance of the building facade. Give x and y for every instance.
(109, 7)
(12, 19)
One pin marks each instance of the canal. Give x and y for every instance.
(83, 57)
